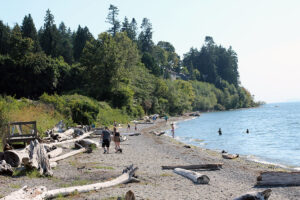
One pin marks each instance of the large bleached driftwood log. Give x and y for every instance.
(14, 157)
(54, 153)
(279, 179)
(72, 153)
(215, 166)
(68, 134)
(5, 169)
(264, 195)
(26, 193)
(72, 140)
(194, 176)
(39, 193)
(38, 159)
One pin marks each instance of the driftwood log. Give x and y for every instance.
(279, 179)
(230, 156)
(215, 166)
(264, 195)
(87, 143)
(157, 133)
(68, 134)
(54, 153)
(85, 135)
(15, 157)
(41, 192)
(194, 176)
(38, 159)
(5, 169)
(131, 134)
(66, 155)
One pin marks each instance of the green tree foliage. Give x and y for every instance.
(131, 74)
(28, 30)
(112, 19)
(64, 46)
(18, 45)
(4, 38)
(145, 42)
(49, 36)
(106, 60)
(130, 28)
(215, 63)
(150, 63)
(82, 36)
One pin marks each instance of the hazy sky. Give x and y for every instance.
(264, 33)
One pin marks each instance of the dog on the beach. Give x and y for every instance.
(119, 150)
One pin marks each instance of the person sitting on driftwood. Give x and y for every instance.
(106, 139)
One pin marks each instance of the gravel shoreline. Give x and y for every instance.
(149, 152)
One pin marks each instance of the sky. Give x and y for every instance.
(264, 33)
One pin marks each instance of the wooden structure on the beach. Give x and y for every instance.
(279, 179)
(21, 132)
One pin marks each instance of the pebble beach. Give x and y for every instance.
(149, 152)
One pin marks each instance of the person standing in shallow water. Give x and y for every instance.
(173, 130)
(220, 131)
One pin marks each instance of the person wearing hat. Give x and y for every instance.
(173, 129)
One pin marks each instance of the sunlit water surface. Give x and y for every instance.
(274, 132)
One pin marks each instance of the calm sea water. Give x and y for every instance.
(274, 132)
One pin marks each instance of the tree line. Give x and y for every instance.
(122, 66)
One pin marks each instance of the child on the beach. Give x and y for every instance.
(128, 127)
(173, 130)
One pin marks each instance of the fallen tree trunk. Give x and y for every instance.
(72, 140)
(279, 179)
(14, 157)
(5, 169)
(131, 134)
(38, 159)
(56, 152)
(157, 133)
(87, 143)
(200, 166)
(39, 193)
(26, 193)
(230, 156)
(194, 176)
(264, 195)
(72, 153)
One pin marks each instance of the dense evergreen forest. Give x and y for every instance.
(122, 66)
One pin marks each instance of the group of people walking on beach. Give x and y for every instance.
(106, 139)
(107, 135)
